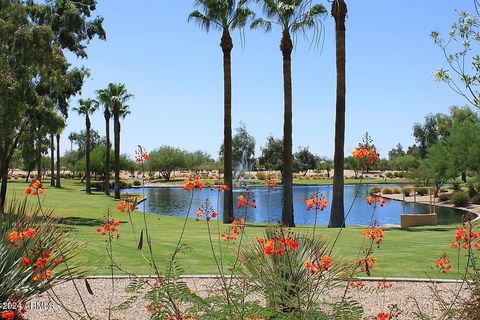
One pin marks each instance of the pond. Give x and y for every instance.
(174, 201)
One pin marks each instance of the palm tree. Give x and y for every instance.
(56, 123)
(224, 16)
(337, 216)
(292, 16)
(115, 97)
(86, 108)
(59, 131)
(52, 160)
(105, 100)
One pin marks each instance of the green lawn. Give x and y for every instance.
(404, 253)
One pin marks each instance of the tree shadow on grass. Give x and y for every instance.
(79, 221)
(435, 229)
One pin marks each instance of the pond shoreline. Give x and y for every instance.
(172, 201)
(472, 208)
(178, 185)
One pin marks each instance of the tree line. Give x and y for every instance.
(37, 80)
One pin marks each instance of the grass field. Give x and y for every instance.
(404, 253)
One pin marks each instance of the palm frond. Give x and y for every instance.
(261, 24)
(240, 18)
(201, 20)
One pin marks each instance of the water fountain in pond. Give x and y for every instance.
(241, 168)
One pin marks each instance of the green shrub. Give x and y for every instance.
(399, 174)
(387, 191)
(261, 176)
(456, 186)
(442, 190)
(422, 191)
(97, 185)
(475, 199)
(374, 190)
(407, 191)
(396, 190)
(35, 234)
(137, 183)
(285, 280)
(389, 175)
(473, 187)
(444, 197)
(460, 199)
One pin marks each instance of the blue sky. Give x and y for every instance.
(174, 69)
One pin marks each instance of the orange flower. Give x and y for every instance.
(29, 233)
(384, 285)
(58, 261)
(47, 274)
(26, 262)
(41, 262)
(271, 184)
(369, 154)
(374, 201)
(192, 184)
(36, 277)
(37, 184)
(374, 234)
(141, 154)
(7, 315)
(316, 203)
(199, 213)
(35, 188)
(366, 264)
(243, 201)
(233, 230)
(206, 210)
(357, 284)
(443, 264)
(324, 265)
(15, 236)
(269, 247)
(466, 238)
(127, 205)
(288, 243)
(382, 316)
(109, 227)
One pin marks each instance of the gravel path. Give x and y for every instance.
(407, 295)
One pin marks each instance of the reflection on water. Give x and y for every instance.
(175, 202)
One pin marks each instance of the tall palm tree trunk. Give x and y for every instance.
(58, 183)
(116, 129)
(337, 216)
(107, 154)
(286, 47)
(227, 46)
(4, 176)
(52, 161)
(39, 159)
(87, 156)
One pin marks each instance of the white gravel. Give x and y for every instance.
(407, 295)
